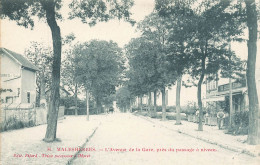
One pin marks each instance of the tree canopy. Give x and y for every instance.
(100, 67)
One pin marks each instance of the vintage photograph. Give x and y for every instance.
(129, 82)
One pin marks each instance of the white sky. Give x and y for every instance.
(17, 38)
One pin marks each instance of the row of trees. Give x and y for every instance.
(179, 37)
(96, 66)
(191, 37)
(90, 12)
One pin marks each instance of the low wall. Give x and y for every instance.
(35, 115)
(25, 117)
(41, 116)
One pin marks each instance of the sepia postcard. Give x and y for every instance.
(134, 82)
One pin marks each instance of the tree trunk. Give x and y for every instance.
(163, 105)
(76, 99)
(130, 106)
(49, 7)
(200, 126)
(138, 102)
(150, 103)
(43, 101)
(178, 97)
(155, 101)
(141, 103)
(87, 104)
(99, 106)
(254, 115)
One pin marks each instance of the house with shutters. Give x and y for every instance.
(18, 80)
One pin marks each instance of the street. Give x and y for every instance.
(127, 139)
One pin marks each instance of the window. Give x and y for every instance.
(28, 97)
(9, 100)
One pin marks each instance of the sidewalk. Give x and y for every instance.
(210, 134)
(72, 131)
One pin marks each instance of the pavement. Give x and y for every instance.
(26, 146)
(210, 134)
(118, 139)
(133, 140)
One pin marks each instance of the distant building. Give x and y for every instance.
(18, 79)
(217, 94)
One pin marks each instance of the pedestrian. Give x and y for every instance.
(197, 116)
(206, 118)
(197, 113)
(220, 117)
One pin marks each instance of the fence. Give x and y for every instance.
(25, 117)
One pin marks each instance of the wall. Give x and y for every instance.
(10, 67)
(10, 78)
(15, 86)
(35, 115)
(28, 85)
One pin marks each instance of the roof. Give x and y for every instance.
(19, 59)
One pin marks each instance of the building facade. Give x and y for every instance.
(218, 94)
(18, 80)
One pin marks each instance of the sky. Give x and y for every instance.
(17, 38)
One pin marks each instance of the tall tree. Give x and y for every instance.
(69, 72)
(23, 11)
(154, 31)
(69, 76)
(152, 51)
(141, 63)
(103, 70)
(138, 52)
(147, 67)
(216, 24)
(181, 28)
(254, 112)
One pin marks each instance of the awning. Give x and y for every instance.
(212, 99)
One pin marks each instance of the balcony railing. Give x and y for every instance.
(235, 85)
